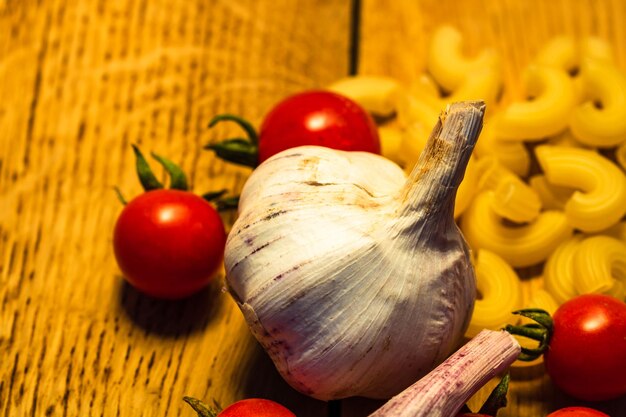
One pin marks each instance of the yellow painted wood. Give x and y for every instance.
(393, 42)
(79, 82)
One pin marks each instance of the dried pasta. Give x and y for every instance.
(500, 293)
(601, 120)
(411, 109)
(447, 63)
(546, 114)
(376, 94)
(567, 53)
(540, 298)
(600, 266)
(595, 48)
(511, 154)
(425, 89)
(560, 52)
(467, 188)
(520, 246)
(514, 199)
(600, 199)
(552, 197)
(391, 142)
(484, 84)
(558, 272)
(566, 138)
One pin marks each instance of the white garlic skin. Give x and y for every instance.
(343, 275)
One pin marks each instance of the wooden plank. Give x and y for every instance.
(393, 42)
(80, 82)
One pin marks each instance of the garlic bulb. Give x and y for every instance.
(355, 279)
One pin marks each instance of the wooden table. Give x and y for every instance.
(81, 81)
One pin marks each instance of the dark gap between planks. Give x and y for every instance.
(355, 35)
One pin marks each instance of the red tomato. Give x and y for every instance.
(586, 357)
(256, 407)
(317, 118)
(169, 243)
(577, 412)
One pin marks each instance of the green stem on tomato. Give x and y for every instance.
(201, 408)
(241, 151)
(541, 331)
(221, 204)
(243, 123)
(178, 179)
(497, 397)
(146, 176)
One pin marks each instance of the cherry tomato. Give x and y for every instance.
(586, 356)
(256, 407)
(317, 118)
(577, 412)
(169, 243)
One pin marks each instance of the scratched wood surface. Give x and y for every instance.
(80, 82)
(394, 37)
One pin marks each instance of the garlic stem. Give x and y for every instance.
(444, 390)
(433, 182)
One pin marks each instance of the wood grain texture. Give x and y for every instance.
(393, 41)
(80, 82)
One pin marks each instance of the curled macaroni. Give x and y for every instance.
(499, 291)
(391, 143)
(411, 109)
(546, 114)
(414, 139)
(425, 89)
(558, 272)
(552, 197)
(565, 138)
(601, 120)
(600, 266)
(484, 84)
(467, 188)
(540, 298)
(560, 52)
(520, 246)
(376, 94)
(447, 63)
(599, 200)
(514, 199)
(595, 48)
(567, 53)
(511, 154)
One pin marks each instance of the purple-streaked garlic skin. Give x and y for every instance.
(355, 279)
(444, 390)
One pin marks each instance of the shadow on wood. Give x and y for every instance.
(274, 387)
(171, 318)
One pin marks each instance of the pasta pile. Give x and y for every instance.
(546, 186)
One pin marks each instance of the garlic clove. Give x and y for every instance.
(443, 391)
(354, 278)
